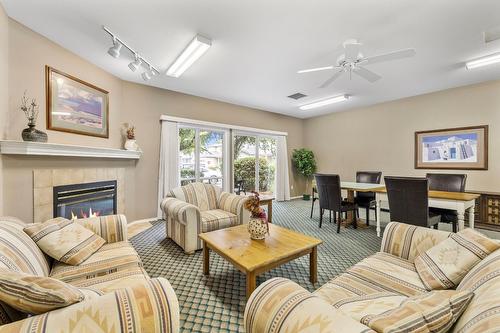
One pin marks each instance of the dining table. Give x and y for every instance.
(461, 202)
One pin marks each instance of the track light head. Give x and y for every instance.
(146, 76)
(135, 64)
(114, 50)
(152, 71)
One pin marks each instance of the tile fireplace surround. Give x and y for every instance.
(45, 179)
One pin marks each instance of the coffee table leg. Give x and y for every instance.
(313, 265)
(206, 259)
(251, 283)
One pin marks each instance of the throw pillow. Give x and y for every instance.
(36, 294)
(444, 265)
(65, 240)
(435, 312)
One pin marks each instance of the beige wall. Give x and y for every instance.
(4, 93)
(381, 137)
(29, 52)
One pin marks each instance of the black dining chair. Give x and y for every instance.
(449, 183)
(330, 198)
(367, 199)
(409, 201)
(238, 187)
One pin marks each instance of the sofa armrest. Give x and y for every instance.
(280, 305)
(408, 241)
(234, 204)
(113, 228)
(180, 210)
(149, 306)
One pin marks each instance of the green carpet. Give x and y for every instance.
(216, 303)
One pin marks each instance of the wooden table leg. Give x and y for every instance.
(313, 265)
(351, 217)
(270, 211)
(251, 283)
(206, 259)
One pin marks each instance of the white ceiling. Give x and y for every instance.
(258, 45)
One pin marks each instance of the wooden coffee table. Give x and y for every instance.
(254, 257)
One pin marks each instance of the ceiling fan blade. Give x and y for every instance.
(389, 56)
(366, 74)
(317, 69)
(331, 79)
(352, 51)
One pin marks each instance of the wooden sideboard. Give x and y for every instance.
(487, 210)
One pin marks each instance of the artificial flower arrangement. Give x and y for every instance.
(258, 225)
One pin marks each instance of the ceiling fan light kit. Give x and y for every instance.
(353, 61)
(326, 101)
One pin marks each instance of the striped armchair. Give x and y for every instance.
(195, 208)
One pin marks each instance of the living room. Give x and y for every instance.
(387, 87)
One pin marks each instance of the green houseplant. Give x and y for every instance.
(304, 162)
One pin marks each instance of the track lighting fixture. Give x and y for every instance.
(138, 61)
(114, 50)
(135, 64)
(145, 76)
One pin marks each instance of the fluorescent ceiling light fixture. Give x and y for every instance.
(314, 69)
(196, 48)
(483, 61)
(114, 50)
(331, 100)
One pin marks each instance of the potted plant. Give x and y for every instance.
(304, 162)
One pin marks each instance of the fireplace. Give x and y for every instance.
(85, 200)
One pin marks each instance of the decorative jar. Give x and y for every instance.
(257, 228)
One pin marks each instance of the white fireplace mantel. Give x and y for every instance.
(55, 149)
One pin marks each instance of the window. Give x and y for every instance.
(250, 175)
(201, 155)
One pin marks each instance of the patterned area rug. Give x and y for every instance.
(216, 303)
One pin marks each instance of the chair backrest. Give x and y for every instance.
(203, 196)
(372, 177)
(446, 182)
(328, 187)
(408, 200)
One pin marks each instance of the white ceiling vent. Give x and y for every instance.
(297, 96)
(492, 35)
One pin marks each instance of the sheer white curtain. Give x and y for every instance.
(169, 160)
(282, 180)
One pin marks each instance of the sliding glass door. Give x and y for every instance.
(254, 163)
(201, 155)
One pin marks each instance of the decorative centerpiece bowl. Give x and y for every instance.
(258, 226)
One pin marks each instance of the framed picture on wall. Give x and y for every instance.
(453, 148)
(75, 106)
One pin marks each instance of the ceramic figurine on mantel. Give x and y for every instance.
(130, 143)
(30, 110)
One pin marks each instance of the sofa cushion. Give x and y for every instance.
(216, 219)
(203, 196)
(381, 272)
(18, 251)
(110, 263)
(65, 240)
(358, 307)
(444, 265)
(435, 312)
(36, 294)
(483, 312)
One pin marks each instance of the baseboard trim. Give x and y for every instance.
(297, 197)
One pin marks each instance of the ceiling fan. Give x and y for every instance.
(352, 61)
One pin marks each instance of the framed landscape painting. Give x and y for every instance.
(454, 148)
(75, 106)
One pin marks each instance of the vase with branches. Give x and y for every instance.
(30, 109)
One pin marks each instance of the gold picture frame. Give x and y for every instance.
(75, 106)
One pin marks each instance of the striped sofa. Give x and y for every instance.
(119, 295)
(381, 281)
(195, 208)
